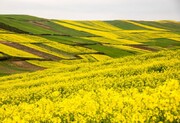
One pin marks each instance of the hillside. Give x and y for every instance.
(29, 43)
(54, 71)
(142, 88)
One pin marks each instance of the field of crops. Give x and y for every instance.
(142, 88)
(54, 71)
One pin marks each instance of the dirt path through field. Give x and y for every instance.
(31, 50)
(143, 47)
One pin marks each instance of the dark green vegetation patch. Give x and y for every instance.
(125, 25)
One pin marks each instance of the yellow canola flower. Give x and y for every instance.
(17, 38)
(108, 35)
(119, 90)
(105, 26)
(15, 52)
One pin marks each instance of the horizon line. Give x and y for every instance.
(113, 19)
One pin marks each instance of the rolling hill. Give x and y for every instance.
(88, 71)
(28, 41)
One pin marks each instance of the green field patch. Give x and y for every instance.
(103, 40)
(163, 42)
(110, 51)
(168, 25)
(26, 27)
(125, 25)
(18, 25)
(60, 39)
(6, 26)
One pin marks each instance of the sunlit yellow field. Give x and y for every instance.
(134, 89)
(120, 71)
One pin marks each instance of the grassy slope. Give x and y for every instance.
(35, 25)
(163, 42)
(125, 25)
(23, 24)
(169, 25)
(112, 52)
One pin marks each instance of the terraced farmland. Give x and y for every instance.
(88, 71)
(25, 38)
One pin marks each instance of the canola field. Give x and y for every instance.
(142, 88)
(54, 71)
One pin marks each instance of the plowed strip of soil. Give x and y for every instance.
(43, 26)
(13, 67)
(6, 70)
(26, 65)
(31, 50)
(143, 47)
(13, 58)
